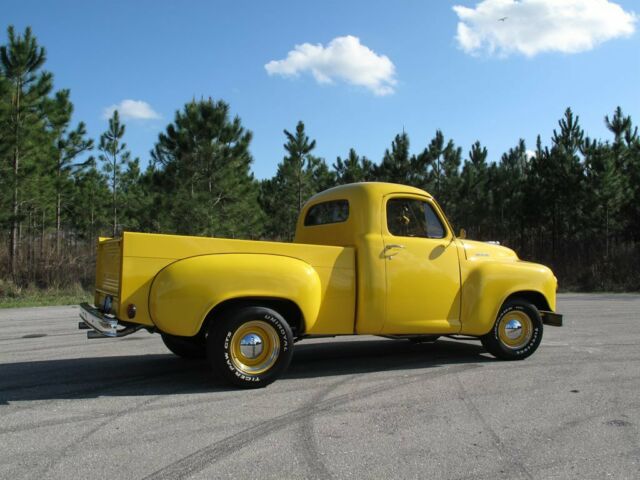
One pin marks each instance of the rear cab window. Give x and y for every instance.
(325, 213)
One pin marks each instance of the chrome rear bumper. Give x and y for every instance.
(104, 325)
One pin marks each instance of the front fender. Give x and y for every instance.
(184, 292)
(488, 284)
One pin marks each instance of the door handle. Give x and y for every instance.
(391, 246)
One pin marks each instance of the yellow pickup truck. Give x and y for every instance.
(367, 259)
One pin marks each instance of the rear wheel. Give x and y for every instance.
(251, 347)
(186, 347)
(517, 332)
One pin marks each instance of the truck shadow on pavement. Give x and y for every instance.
(166, 374)
(367, 356)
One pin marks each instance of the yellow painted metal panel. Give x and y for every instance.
(184, 293)
(487, 283)
(182, 246)
(423, 279)
(108, 271)
(138, 273)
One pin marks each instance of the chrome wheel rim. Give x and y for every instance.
(255, 347)
(515, 329)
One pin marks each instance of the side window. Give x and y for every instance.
(435, 229)
(335, 211)
(408, 217)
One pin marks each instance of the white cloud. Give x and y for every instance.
(529, 27)
(132, 109)
(345, 59)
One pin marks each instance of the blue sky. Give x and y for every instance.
(498, 82)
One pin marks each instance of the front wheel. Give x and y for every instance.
(517, 332)
(251, 347)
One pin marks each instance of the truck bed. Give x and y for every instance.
(126, 268)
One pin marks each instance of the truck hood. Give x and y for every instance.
(474, 250)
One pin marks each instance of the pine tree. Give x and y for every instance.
(397, 165)
(89, 208)
(21, 63)
(5, 153)
(473, 200)
(202, 178)
(300, 175)
(67, 145)
(353, 168)
(430, 174)
(437, 170)
(450, 190)
(114, 157)
(299, 162)
(506, 187)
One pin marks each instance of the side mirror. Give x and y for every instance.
(463, 234)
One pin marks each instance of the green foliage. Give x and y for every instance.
(300, 175)
(114, 158)
(397, 165)
(65, 147)
(438, 172)
(90, 206)
(474, 201)
(353, 169)
(26, 88)
(201, 180)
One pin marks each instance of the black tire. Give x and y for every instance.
(506, 343)
(254, 363)
(192, 348)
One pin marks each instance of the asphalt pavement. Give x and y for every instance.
(352, 407)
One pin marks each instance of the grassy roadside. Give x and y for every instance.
(14, 297)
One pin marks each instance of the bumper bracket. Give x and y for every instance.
(551, 318)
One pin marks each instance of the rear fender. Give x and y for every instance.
(184, 292)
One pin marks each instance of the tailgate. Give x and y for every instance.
(108, 272)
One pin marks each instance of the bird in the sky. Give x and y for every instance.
(502, 19)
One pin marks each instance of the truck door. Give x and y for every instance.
(422, 268)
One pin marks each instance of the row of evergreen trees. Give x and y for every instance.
(574, 205)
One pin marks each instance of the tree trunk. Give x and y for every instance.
(115, 208)
(15, 210)
(58, 222)
(58, 205)
(13, 249)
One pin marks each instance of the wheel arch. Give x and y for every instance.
(289, 310)
(537, 299)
